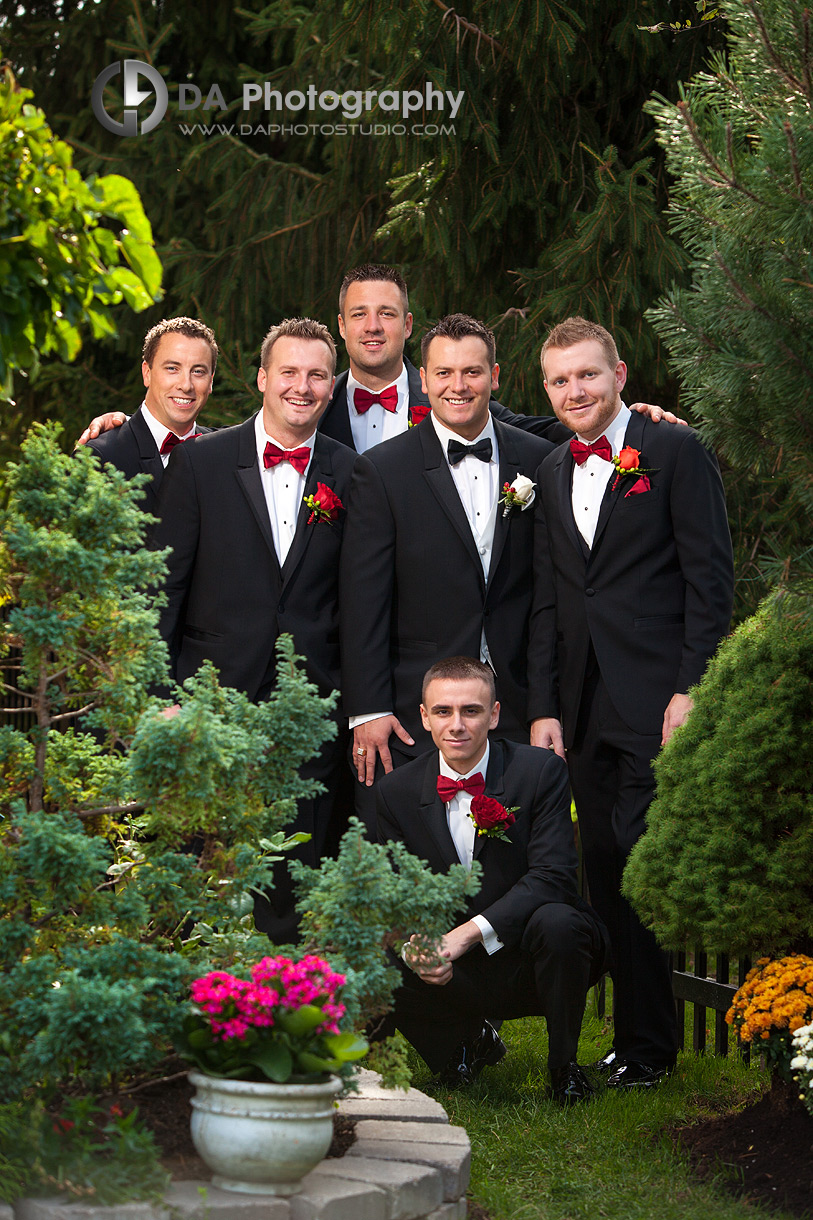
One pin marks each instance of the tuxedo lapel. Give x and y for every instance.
(336, 420)
(563, 474)
(495, 786)
(432, 813)
(148, 456)
(437, 475)
(510, 466)
(248, 476)
(319, 471)
(633, 436)
(415, 392)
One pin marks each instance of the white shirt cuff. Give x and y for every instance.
(491, 941)
(355, 721)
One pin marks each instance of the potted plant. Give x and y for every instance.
(271, 1061)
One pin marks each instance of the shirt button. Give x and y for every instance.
(482, 550)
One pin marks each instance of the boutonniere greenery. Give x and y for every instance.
(324, 505)
(491, 818)
(519, 494)
(628, 462)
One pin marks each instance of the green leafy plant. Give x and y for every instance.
(70, 249)
(84, 1151)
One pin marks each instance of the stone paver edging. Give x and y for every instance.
(407, 1163)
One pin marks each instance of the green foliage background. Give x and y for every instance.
(739, 147)
(547, 200)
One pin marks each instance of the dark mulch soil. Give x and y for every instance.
(764, 1153)
(165, 1108)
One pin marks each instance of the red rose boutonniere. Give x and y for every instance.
(324, 505)
(491, 818)
(417, 414)
(628, 462)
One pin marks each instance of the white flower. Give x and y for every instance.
(523, 489)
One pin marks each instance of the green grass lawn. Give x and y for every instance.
(611, 1157)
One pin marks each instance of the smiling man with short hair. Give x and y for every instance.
(249, 560)
(178, 366)
(527, 944)
(431, 565)
(633, 592)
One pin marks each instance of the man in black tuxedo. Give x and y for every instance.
(528, 944)
(434, 563)
(250, 559)
(633, 592)
(380, 395)
(178, 367)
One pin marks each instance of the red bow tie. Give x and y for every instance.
(363, 399)
(171, 440)
(298, 458)
(602, 448)
(475, 785)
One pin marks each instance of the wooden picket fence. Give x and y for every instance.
(710, 998)
(709, 995)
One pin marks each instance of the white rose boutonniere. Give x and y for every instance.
(520, 493)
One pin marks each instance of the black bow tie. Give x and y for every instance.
(481, 449)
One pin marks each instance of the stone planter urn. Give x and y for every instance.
(261, 1137)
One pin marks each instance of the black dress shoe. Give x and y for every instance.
(632, 1075)
(569, 1085)
(471, 1057)
(608, 1063)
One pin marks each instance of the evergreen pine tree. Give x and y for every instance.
(739, 145)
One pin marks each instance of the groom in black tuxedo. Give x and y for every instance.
(527, 944)
(633, 592)
(434, 564)
(177, 367)
(251, 560)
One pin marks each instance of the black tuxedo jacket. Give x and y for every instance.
(336, 420)
(412, 583)
(132, 449)
(654, 593)
(227, 597)
(538, 864)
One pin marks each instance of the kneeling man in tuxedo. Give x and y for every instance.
(529, 945)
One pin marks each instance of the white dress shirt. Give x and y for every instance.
(477, 484)
(591, 478)
(463, 832)
(159, 432)
(283, 488)
(376, 424)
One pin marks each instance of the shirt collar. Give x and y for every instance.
(262, 438)
(444, 435)
(617, 430)
(401, 384)
(481, 766)
(159, 431)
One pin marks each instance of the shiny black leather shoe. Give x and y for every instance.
(470, 1058)
(569, 1084)
(608, 1063)
(632, 1075)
